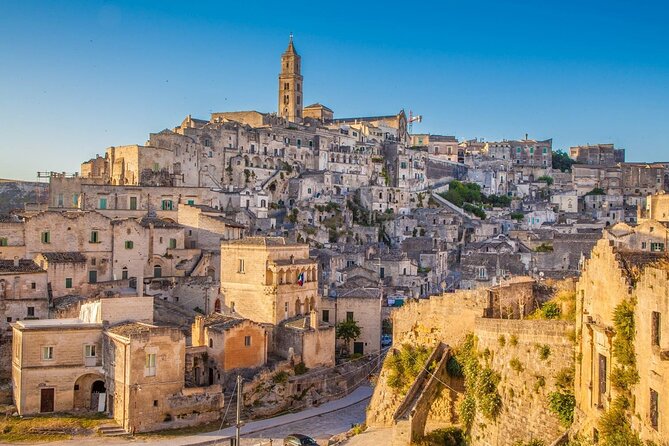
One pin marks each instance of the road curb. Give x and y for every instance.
(219, 440)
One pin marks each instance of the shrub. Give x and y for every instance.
(513, 340)
(405, 364)
(564, 380)
(516, 365)
(614, 426)
(518, 216)
(539, 383)
(544, 351)
(454, 368)
(550, 310)
(562, 404)
(501, 340)
(280, 377)
(624, 374)
(300, 368)
(544, 247)
(450, 436)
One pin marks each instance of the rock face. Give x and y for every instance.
(14, 194)
(528, 356)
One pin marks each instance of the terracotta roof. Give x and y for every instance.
(24, 266)
(64, 257)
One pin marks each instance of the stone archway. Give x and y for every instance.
(90, 393)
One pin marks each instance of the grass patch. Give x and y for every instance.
(41, 429)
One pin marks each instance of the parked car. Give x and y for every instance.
(386, 340)
(299, 440)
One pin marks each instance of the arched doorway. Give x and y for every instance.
(217, 306)
(90, 393)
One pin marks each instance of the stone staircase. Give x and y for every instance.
(111, 430)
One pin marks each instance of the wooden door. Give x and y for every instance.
(46, 400)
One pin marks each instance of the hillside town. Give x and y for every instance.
(493, 292)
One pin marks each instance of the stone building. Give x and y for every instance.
(24, 292)
(597, 154)
(268, 279)
(67, 272)
(362, 305)
(57, 366)
(615, 280)
(232, 343)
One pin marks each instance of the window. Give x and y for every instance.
(241, 265)
(544, 150)
(349, 316)
(103, 203)
(68, 282)
(157, 271)
(3, 241)
(60, 200)
(211, 343)
(129, 244)
(31, 311)
(655, 328)
(602, 379)
(46, 237)
(643, 245)
(47, 353)
(657, 247)
(167, 205)
(89, 351)
(95, 237)
(75, 199)
(92, 277)
(247, 341)
(33, 285)
(133, 203)
(482, 273)
(654, 406)
(191, 202)
(124, 273)
(326, 315)
(173, 243)
(150, 365)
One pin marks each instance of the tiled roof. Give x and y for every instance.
(24, 266)
(64, 257)
(159, 223)
(131, 329)
(219, 322)
(262, 241)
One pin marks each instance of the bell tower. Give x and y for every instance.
(290, 85)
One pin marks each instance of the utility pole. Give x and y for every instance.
(239, 409)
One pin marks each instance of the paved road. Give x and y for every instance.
(320, 427)
(318, 415)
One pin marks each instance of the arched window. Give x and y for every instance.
(157, 271)
(211, 343)
(298, 307)
(217, 306)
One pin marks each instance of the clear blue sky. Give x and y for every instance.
(79, 76)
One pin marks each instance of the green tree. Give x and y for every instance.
(562, 161)
(348, 330)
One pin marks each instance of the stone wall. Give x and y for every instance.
(525, 414)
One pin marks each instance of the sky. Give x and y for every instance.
(79, 76)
